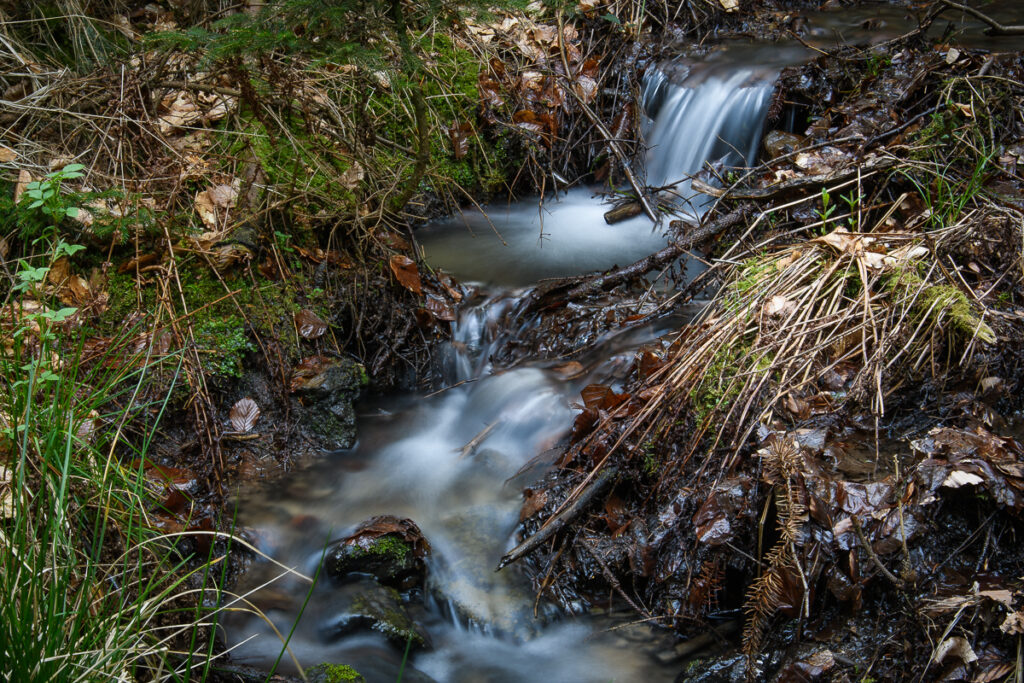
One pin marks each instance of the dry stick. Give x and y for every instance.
(605, 133)
(996, 29)
(895, 580)
(557, 522)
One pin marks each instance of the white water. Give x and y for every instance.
(412, 459)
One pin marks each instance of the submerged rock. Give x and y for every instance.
(371, 607)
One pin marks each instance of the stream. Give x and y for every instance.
(456, 459)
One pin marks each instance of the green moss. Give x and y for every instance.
(334, 673)
(941, 303)
(390, 546)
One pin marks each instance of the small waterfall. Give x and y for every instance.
(456, 460)
(699, 115)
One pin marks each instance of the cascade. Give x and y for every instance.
(456, 460)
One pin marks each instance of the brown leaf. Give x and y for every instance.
(307, 371)
(310, 325)
(459, 134)
(352, 176)
(601, 397)
(7, 155)
(24, 178)
(534, 502)
(244, 414)
(439, 308)
(407, 273)
(490, 91)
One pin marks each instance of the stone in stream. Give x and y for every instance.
(368, 606)
(390, 549)
(779, 143)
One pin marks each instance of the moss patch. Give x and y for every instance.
(334, 673)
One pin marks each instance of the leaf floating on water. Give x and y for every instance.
(407, 273)
(310, 325)
(244, 414)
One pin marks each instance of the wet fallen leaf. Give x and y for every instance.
(309, 324)
(601, 397)
(533, 503)
(406, 272)
(244, 414)
(305, 374)
(439, 308)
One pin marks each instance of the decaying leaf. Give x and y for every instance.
(309, 324)
(309, 372)
(213, 204)
(352, 176)
(7, 155)
(6, 498)
(244, 414)
(406, 272)
(24, 178)
(730, 5)
(459, 134)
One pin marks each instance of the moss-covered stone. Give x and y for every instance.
(334, 673)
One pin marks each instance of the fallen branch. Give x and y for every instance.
(664, 257)
(557, 522)
(995, 28)
(795, 185)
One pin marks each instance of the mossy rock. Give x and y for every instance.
(390, 549)
(334, 673)
(376, 608)
(325, 403)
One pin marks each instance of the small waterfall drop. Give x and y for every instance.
(700, 116)
(697, 114)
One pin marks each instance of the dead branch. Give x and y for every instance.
(554, 524)
(664, 257)
(788, 187)
(995, 28)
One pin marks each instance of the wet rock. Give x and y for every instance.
(779, 143)
(326, 389)
(371, 607)
(390, 549)
(334, 673)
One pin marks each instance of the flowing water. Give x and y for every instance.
(456, 461)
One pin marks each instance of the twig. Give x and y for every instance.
(896, 581)
(554, 524)
(996, 29)
(664, 257)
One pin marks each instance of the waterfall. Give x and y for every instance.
(702, 115)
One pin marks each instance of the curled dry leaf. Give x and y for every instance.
(310, 325)
(406, 272)
(24, 178)
(244, 414)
